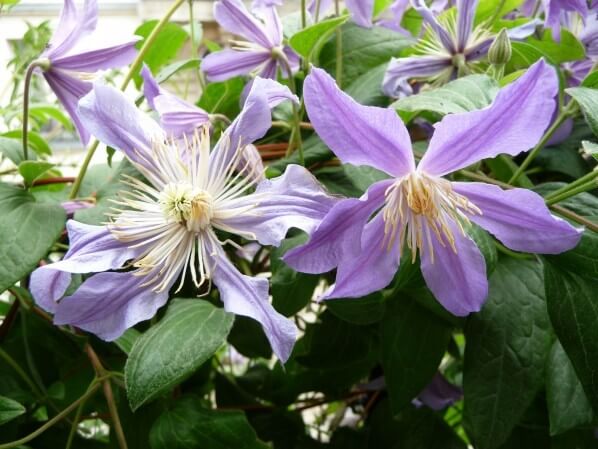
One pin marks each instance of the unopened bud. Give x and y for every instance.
(500, 50)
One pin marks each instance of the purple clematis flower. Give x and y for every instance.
(556, 10)
(451, 46)
(75, 52)
(392, 21)
(364, 238)
(263, 52)
(168, 230)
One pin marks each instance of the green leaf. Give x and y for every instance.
(29, 229)
(588, 101)
(363, 176)
(571, 286)
(126, 341)
(168, 43)
(524, 54)
(222, 98)
(45, 110)
(488, 8)
(363, 49)
(367, 88)
(32, 170)
(35, 142)
(568, 405)
(291, 290)
(178, 66)
(508, 343)
(9, 409)
(462, 95)
(190, 332)
(308, 41)
(188, 426)
(361, 311)
(591, 81)
(12, 149)
(413, 343)
(590, 148)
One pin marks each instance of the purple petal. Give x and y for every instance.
(513, 123)
(151, 88)
(334, 239)
(430, 19)
(69, 91)
(589, 35)
(92, 249)
(272, 24)
(99, 56)
(517, 33)
(360, 135)
(519, 218)
(457, 280)
(440, 393)
(107, 304)
(252, 123)
(294, 200)
(73, 25)
(401, 70)
(72, 206)
(397, 10)
(325, 5)
(115, 120)
(554, 9)
(370, 269)
(226, 64)
(361, 11)
(234, 17)
(465, 15)
(248, 296)
(270, 70)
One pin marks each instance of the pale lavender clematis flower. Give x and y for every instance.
(166, 231)
(556, 10)
(451, 46)
(262, 52)
(396, 11)
(75, 52)
(364, 238)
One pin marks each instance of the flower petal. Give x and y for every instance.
(73, 24)
(69, 91)
(361, 11)
(554, 9)
(115, 120)
(369, 270)
(107, 304)
(151, 88)
(519, 218)
(513, 123)
(324, 5)
(360, 135)
(465, 15)
(457, 280)
(248, 296)
(294, 200)
(226, 64)
(334, 238)
(440, 393)
(430, 19)
(92, 249)
(401, 70)
(233, 16)
(90, 55)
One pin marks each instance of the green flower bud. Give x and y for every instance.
(500, 50)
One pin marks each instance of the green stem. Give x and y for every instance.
(132, 71)
(590, 185)
(317, 14)
(339, 48)
(545, 138)
(22, 374)
(303, 14)
(75, 425)
(296, 131)
(584, 179)
(44, 63)
(496, 14)
(63, 414)
(192, 29)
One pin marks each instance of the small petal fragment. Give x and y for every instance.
(361, 11)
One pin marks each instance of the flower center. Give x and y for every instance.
(418, 206)
(192, 207)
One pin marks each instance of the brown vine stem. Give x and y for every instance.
(56, 180)
(102, 373)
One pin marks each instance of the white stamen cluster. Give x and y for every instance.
(419, 205)
(173, 219)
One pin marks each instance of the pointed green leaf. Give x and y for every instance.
(9, 409)
(308, 41)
